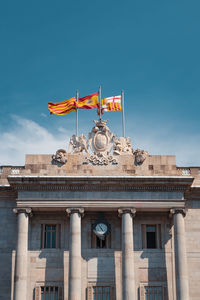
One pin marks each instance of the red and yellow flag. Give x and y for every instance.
(88, 102)
(62, 108)
(111, 104)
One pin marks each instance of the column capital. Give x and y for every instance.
(130, 210)
(73, 210)
(174, 211)
(25, 210)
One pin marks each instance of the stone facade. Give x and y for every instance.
(71, 192)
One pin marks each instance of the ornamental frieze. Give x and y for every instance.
(100, 187)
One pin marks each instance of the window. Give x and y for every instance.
(101, 293)
(50, 236)
(151, 293)
(48, 293)
(151, 236)
(99, 243)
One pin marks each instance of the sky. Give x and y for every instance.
(149, 49)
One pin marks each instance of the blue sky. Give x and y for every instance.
(150, 49)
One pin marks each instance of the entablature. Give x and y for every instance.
(101, 183)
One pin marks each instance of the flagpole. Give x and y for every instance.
(77, 95)
(123, 118)
(100, 103)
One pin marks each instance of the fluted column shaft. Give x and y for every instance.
(128, 274)
(75, 254)
(21, 254)
(182, 285)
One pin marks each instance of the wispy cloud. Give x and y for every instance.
(28, 137)
(186, 146)
(43, 115)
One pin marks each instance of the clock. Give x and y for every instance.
(101, 228)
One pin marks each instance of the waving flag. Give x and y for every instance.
(88, 102)
(111, 104)
(62, 108)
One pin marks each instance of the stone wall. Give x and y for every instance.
(192, 228)
(50, 266)
(8, 235)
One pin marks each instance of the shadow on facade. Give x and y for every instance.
(54, 267)
(46, 265)
(101, 268)
(154, 273)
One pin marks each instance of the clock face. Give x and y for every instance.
(101, 228)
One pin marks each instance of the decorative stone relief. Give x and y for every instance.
(100, 143)
(102, 147)
(100, 160)
(100, 139)
(122, 145)
(78, 144)
(140, 156)
(60, 156)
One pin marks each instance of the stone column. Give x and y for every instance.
(182, 285)
(128, 273)
(74, 289)
(21, 253)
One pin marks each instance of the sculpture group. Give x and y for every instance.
(101, 148)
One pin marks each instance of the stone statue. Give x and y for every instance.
(78, 144)
(122, 145)
(102, 147)
(60, 156)
(140, 156)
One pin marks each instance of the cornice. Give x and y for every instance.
(101, 183)
(6, 191)
(5, 187)
(81, 177)
(108, 188)
(195, 188)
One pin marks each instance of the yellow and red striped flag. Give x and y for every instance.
(88, 102)
(62, 108)
(111, 104)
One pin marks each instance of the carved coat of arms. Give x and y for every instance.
(100, 138)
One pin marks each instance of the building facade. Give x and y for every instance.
(99, 221)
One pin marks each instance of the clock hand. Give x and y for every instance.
(101, 228)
